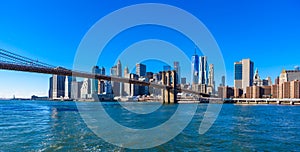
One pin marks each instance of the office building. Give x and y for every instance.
(243, 74)
(140, 70)
(68, 87)
(195, 69)
(95, 82)
(126, 85)
(101, 83)
(134, 88)
(203, 72)
(275, 91)
(116, 71)
(211, 79)
(178, 71)
(223, 81)
(295, 89)
(287, 76)
(85, 91)
(108, 88)
(119, 69)
(76, 87)
(56, 87)
(225, 92)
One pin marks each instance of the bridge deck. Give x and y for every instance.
(66, 72)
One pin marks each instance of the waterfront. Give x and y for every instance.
(51, 126)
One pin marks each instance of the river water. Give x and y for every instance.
(58, 126)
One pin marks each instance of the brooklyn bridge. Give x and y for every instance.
(15, 62)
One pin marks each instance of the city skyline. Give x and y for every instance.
(261, 34)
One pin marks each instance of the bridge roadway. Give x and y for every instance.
(266, 101)
(66, 72)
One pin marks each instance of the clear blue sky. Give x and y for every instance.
(265, 31)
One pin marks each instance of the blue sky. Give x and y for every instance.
(265, 31)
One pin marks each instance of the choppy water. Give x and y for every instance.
(57, 126)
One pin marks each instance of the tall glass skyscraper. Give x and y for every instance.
(195, 69)
(203, 75)
(177, 69)
(140, 70)
(95, 82)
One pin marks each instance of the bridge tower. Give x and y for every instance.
(169, 94)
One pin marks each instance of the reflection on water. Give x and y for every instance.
(52, 126)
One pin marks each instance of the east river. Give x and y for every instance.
(58, 126)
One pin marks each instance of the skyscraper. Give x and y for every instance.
(57, 87)
(68, 84)
(102, 71)
(85, 91)
(177, 69)
(211, 78)
(95, 82)
(113, 71)
(195, 69)
(203, 73)
(126, 85)
(101, 83)
(140, 70)
(119, 69)
(223, 81)
(243, 74)
(117, 72)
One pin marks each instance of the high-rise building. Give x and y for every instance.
(57, 87)
(76, 87)
(85, 91)
(238, 75)
(178, 71)
(140, 70)
(195, 69)
(211, 79)
(95, 82)
(243, 74)
(203, 72)
(68, 84)
(287, 76)
(223, 81)
(126, 85)
(119, 69)
(101, 83)
(102, 71)
(134, 88)
(115, 85)
(113, 71)
(116, 71)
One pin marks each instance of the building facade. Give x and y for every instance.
(195, 69)
(140, 70)
(203, 72)
(243, 74)
(178, 72)
(60, 87)
(211, 79)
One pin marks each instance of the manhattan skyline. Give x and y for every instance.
(265, 32)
